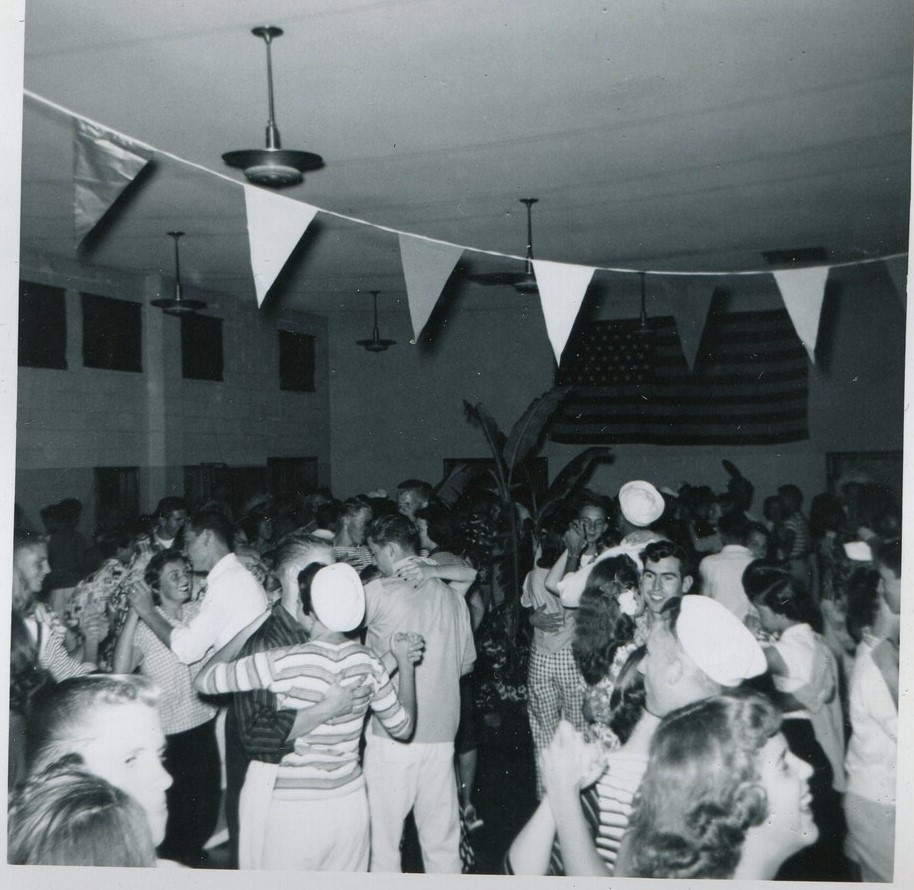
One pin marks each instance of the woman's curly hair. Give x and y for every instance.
(701, 792)
(600, 626)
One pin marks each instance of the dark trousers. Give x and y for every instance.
(824, 860)
(192, 758)
(236, 767)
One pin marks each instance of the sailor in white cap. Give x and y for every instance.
(697, 649)
(319, 785)
(640, 505)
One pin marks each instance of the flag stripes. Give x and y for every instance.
(749, 386)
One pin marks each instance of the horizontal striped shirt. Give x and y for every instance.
(325, 760)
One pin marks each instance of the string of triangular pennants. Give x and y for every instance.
(106, 162)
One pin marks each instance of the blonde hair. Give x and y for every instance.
(65, 815)
(60, 713)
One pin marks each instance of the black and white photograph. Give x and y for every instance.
(456, 438)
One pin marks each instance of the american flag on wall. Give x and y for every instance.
(749, 386)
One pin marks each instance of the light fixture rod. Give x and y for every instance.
(177, 236)
(267, 33)
(529, 260)
(377, 331)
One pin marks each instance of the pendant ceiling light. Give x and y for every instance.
(523, 282)
(272, 166)
(375, 344)
(177, 305)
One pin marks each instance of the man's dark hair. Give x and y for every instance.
(214, 521)
(657, 550)
(792, 493)
(169, 505)
(734, 527)
(394, 529)
(423, 489)
(889, 555)
(107, 543)
(443, 527)
(354, 506)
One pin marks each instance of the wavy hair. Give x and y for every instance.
(64, 815)
(600, 626)
(772, 585)
(702, 791)
(626, 703)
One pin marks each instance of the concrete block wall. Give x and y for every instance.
(69, 422)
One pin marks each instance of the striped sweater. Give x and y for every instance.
(325, 761)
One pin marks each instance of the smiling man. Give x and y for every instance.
(696, 649)
(667, 574)
(233, 599)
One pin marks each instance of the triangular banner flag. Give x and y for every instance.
(275, 226)
(690, 309)
(803, 291)
(897, 268)
(105, 164)
(562, 287)
(427, 265)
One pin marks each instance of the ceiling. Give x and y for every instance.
(657, 135)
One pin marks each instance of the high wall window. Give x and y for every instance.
(201, 347)
(42, 326)
(296, 361)
(112, 333)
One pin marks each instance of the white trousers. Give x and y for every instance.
(419, 777)
(281, 831)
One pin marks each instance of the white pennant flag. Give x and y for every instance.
(562, 287)
(803, 291)
(427, 265)
(105, 164)
(690, 309)
(275, 226)
(897, 268)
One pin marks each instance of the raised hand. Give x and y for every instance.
(407, 646)
(140, 597)
(94, 626)
(574, 539)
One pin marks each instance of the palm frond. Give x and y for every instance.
(526, 432)
(571, 476)
(477, 414)
(449, 489)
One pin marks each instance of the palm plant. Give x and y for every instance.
(510, 477)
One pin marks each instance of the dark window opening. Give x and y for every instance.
(296, 361)
(112, 333)
(42, 326)
(117, 497)
(201, 347)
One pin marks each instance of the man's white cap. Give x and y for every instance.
(858, 551)
(717, 641)
(338, 598)
(640, 502)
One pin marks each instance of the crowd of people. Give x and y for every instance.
(710, 693)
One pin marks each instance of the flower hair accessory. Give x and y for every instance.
(628, 602)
